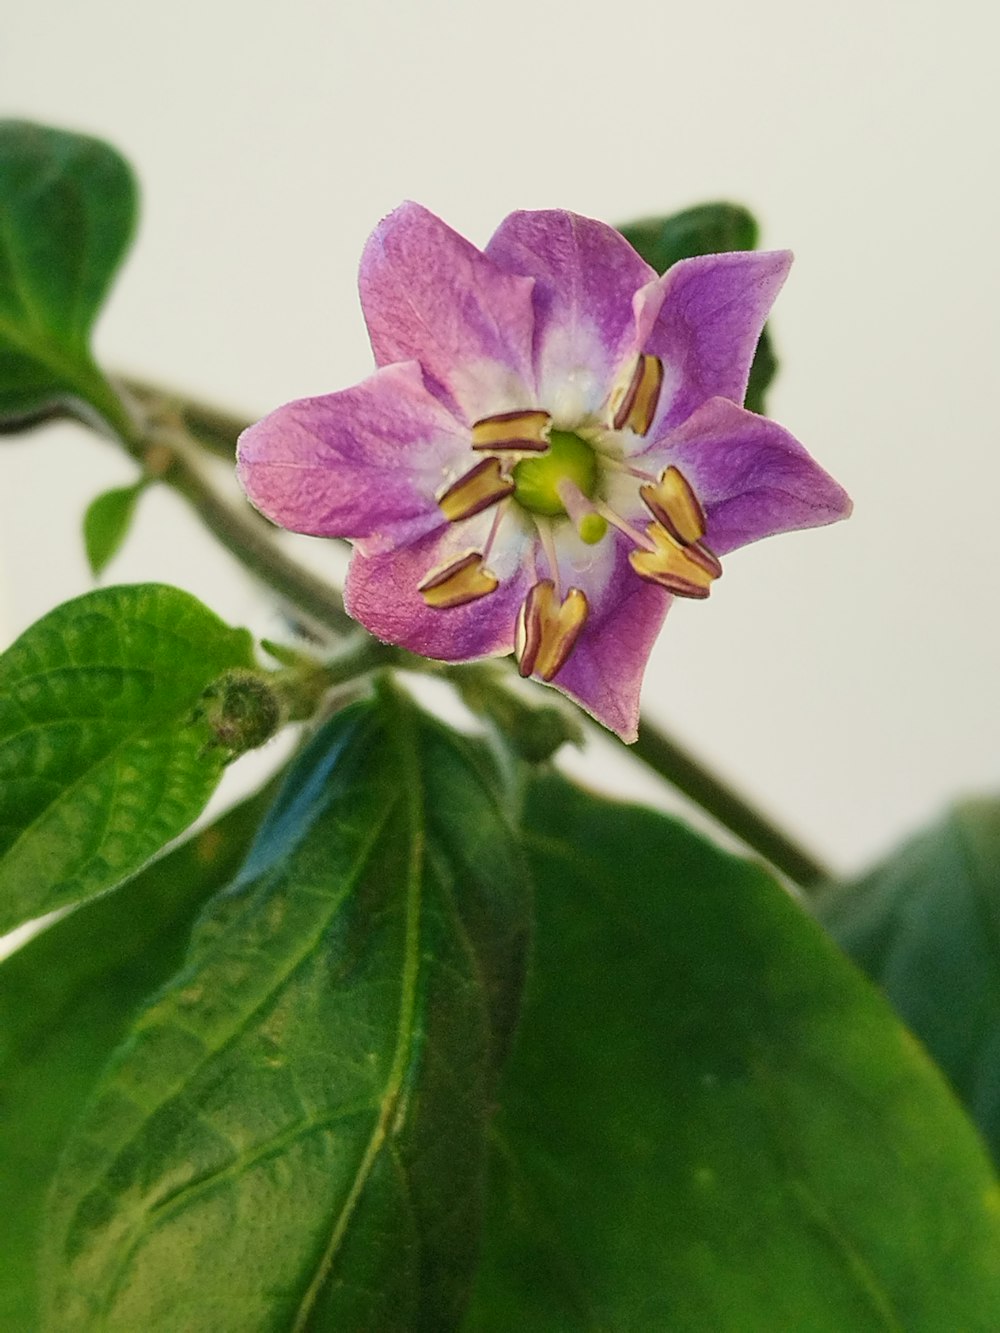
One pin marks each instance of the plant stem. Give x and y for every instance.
(251, 539)
(666, 757)
(214, 430)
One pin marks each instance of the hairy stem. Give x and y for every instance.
(195, 428)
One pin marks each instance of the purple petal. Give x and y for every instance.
(604, 673)
(430, 296)
(586, 276)
(753, 478)
(382, 593)
(712, 313)
(364, 463)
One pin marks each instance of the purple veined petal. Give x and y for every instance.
(711, 312)
(365, 463)
(382, 592)
(428, 295)
(586, 276)
(604, 672)
(753, 478)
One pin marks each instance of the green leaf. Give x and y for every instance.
(294, 1135)
(925, 925)
(710, 1121)
(106, 523)
(67, 215)
(707, 229)
(66, 1000)
(763, 369)
(105, 751)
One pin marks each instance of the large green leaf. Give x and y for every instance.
(106, 752)
(710, 1120)
(706, 229)
(67, 214)
(295, 1134)
(66, 1000)
(926, 926)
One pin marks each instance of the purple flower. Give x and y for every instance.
(552, 448)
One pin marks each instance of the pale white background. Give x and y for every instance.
(847, 676)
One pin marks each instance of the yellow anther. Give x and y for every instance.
(548, 629)
(463, 580)
(673, 503)
(637, 405)
(686, 571)
(516, 432)
(483, 486)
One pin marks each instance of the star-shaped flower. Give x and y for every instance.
(552, 448)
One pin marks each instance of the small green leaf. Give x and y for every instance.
(67, 215)
(106, 524)
(707, 229)
(105, 752)
(294, 1134)
(925, 925)
(66, 1000)
(710, 1121)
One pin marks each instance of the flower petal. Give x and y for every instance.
(586, 277)
(365, 463)
(382, 593)
(604, 672)
(708, 326)
(753, 478)
(430, 296)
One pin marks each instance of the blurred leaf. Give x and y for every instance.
(106, 524)
(925, 925)
(67, 215)
(710, 1121)
(294, 1134)
(66, 1000)
(763, 369)
(707, 229)
(105, 754)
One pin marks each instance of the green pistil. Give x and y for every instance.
(536, 480)
(592, 528)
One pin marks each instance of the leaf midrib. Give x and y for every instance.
(404, 744)
(238, 1029)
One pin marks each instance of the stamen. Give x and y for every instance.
(549, 547)
(638, 405)
(464, 580)
(686, 571)
(590, 525)
(481, 487)
(518, 432)
(623, 525)
(616, 465)
(673, 503)
(498, 514)
(548, 629)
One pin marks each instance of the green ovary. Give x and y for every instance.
(536, 480)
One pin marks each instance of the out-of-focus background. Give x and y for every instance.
(847, 677)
